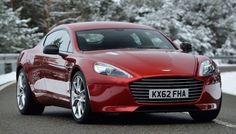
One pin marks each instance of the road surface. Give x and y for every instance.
(60, 121)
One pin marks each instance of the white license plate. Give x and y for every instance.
(168, 93)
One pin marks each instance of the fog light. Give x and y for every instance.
(208, 106)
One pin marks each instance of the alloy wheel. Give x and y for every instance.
(21, 96)
(78, 95)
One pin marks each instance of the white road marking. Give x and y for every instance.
(227, 124)
(6, 85)
(220, 122)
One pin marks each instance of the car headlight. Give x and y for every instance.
(107, 69)
(207, 68)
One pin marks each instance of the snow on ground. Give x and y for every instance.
(5, 78)
(228, 81)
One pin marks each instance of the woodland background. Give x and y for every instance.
(209, 25)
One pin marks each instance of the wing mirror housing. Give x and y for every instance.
(51, 49)
(186, 47)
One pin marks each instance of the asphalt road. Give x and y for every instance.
(60, 121)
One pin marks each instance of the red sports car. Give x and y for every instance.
(116, 67)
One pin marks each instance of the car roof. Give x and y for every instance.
(81, 26)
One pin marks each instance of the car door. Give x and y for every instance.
(56, 70)
(35, 70)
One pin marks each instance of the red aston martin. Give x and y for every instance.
(116, 67)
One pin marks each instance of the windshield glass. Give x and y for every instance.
(121, 38)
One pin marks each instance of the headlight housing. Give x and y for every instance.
(207, 68)
(107, 69)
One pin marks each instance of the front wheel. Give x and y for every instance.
(79, 98)
(205, 116)
(24, 96)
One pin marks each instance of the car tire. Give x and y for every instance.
(24, 97)
(205, 116)
(79, 99)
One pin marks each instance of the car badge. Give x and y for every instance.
(166, 70)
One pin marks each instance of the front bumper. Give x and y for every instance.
(111, 94)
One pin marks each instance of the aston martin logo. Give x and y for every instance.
(166, 70)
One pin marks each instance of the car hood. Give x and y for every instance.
(148, 62)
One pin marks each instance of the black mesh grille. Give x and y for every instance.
(140, 89)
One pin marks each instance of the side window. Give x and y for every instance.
(51, 39)
(60, 38)
(64, 36)
(70, 48)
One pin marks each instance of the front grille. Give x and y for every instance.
(140, 89)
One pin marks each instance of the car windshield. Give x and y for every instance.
(121, 38)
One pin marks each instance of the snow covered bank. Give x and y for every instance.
(228, 80)
(5, 78)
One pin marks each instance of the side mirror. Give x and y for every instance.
(186, 47)
(51, 49)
